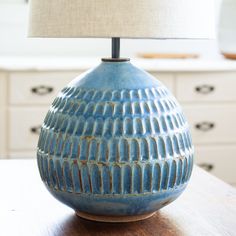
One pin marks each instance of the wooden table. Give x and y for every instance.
(207, 207)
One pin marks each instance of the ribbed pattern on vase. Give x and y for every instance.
(115, 141)
(98, 178)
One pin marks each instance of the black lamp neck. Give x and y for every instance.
(115, 48)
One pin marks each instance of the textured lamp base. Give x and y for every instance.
(114, 219)
(115, 145)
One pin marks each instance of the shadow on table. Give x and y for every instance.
(156, 225)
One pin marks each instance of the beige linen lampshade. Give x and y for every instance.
(122, 18)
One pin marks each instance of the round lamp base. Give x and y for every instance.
(115, 146)
(114, 219)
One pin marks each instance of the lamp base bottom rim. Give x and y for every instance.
(114, 219)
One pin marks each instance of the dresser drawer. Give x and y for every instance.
(38, 88)
(2, 134)
(25, 125)
(166, 79)
(212, 123)
(22, 155)
(211, 87)
(218, 160)
(3, 89)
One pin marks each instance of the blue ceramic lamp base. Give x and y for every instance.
(115, 145)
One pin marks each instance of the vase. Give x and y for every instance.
(227, 29)
(115, 145)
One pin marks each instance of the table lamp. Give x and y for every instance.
(115, 145)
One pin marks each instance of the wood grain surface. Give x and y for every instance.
(207, 207)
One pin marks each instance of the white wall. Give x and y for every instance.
(14, 41)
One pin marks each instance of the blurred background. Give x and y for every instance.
(33, 71)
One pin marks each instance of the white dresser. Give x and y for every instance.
(3, 113)
(209, 103)
(205, 89)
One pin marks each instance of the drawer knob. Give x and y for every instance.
(205, 89)
(42, 90)
(206, 166)
(35, 130)
(205, 126)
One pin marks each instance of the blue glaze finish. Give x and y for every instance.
(115, 142)
(118, 205)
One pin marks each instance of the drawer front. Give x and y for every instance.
(212, 87)
(37, 88)
(3, 90)
(166, 79)
(22, 155)
(212, 123)
(24, 127)
(2, 134)
(218, 160)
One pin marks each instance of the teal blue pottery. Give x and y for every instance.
(115, 145)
